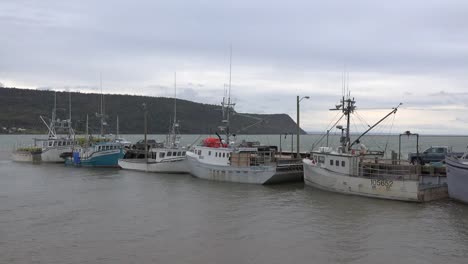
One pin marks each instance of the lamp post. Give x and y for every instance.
(298, 127)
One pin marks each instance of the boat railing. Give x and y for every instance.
(388, 169)
(248, 159)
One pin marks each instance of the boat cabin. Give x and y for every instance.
(239, 157)
(159, 155)
(335, 162)
(53, 143)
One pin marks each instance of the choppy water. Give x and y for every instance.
(54, 214)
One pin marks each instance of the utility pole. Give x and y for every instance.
(145, 114)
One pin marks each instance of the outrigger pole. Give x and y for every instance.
(370, 128)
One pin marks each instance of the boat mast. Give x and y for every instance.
(71, 132)
(117, 129)
(173, 136)
(51, 126)
(229, 96)
(102, 107)
(87, 131)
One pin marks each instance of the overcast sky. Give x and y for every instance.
(414, 52)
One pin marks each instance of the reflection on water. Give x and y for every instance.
(56, 214)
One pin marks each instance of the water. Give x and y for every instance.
(54, 214)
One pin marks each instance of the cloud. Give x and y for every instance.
(413, 52)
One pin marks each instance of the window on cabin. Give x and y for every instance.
(343, 163)
(331, 162)
(224, 155)
(216, 154)
(183, 153)
(50, 143)
(169, 154)
(337, 163)
(321, 159)
(178, 153)
(174, 153)
(209, 153)
(161, 154)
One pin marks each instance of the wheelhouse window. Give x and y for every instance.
(209, 153)
(170, 154)
(161, 154)
(216, 154)
(50, 143)
(337, 163)
(343, 163)
(174, 153)
(331, 162)
(178, 153)
(224, 155)
(183, 153)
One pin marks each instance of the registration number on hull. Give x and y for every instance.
(381, 184)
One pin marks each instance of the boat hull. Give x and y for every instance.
(99, 159)
(402, 190)
(176, 166)
(457, 179)
(52, 155)
(253, 175)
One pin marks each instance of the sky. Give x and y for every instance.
(413, 52)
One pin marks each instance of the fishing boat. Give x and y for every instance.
(353, 169)
(98, 154)
(98, 151)
(49, 149)
(221, 159)
(169, 157)
(457, 177)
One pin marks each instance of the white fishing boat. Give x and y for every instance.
(351, 169)
(52, 148)
(220, 159)
(457, 177)
(168, 158)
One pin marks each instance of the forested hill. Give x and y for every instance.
(21, 108)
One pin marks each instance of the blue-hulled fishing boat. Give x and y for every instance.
(100, 154)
